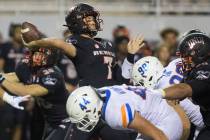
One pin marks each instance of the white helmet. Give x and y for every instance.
(147, 71)
(83, 107)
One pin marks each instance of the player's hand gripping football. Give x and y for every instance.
(29, 34)
(31, 44)
(135, 44)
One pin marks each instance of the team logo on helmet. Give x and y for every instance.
(194, 50)
(191, 43)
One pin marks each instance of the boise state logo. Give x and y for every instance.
(84, 103)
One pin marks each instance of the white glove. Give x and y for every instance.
(15, 100)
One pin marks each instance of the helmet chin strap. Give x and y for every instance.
(90, 33)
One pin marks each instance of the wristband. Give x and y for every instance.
(130, 58)
(163, 93)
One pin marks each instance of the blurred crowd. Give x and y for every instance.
(15, 124)
(164, 49)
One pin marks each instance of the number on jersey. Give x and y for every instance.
(175, 79)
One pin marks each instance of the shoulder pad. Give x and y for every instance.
(49, 80)
(105, 42)
(71, 39)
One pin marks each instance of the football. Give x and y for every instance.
(30, 32)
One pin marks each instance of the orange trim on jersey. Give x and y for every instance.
(124, 119)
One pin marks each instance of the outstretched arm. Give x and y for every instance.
(11, 77)
(13, 100)
(21, 89)
(177, 91)
(194, 88)
(133, 47)
(68, 48)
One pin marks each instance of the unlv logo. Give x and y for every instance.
(196, 40)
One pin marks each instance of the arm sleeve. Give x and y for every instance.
(193, 112)
(127, 114)
(117, 75)
(126, 69)
(74, 41)
(122, 117)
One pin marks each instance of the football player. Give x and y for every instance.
(194, 52)
(41, 78)
(150, 73)
(94, 58)
(124, 108)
